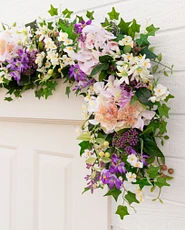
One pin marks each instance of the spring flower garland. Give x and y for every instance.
(112, 66)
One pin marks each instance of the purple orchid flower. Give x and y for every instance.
(117, 166)
(111, 179)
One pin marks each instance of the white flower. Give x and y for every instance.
(126, 41)
(138, 164)
(68, 42)
(39, 58)
(62, 36)
(131, 177)
(43, 31)
(132, 159)
(139, 194)
(53, 57)
(69, 50)
(49, 43)
(123, 73)
(160, 93)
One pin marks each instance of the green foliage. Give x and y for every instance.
(122, 211)
(143, 94)
(131, 197)
(163, 110)
(124, 26)
(151, 148)
(153, 171)
(113, 192)
(143, 40)
(113, 15)
(46, 89)
(142, 182)
(151, 30)
(161, 181)
(85, 145)
(98, 68)
(67, 13)
(133, 29)
(89, 14)
(68, 91)
(149, 54)
(53, 11)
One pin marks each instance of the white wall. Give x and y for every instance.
(169, 15)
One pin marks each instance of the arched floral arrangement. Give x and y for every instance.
(112, 65)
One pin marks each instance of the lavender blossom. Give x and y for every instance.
(111, 179)
(126, 95)
(117, 166)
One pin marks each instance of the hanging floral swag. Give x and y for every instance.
(112, 65)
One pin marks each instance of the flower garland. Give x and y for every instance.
(112, 65)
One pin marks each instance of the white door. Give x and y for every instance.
(41, 173)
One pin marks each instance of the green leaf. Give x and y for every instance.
(163, 110)
(98, 68)
(159, 57)
(124, 26)
(162, 127)
(105, 160)
(68, 90)
(85, 190)
(152, 189)
(151, 30)
(151, 148)
(85, 145)
(153, 171)
(90, 160)
(114, 192)
(102, 75)
(133, 99)
(33, 25)
(133, 28)
(149, 54)
(166, 137)
(105, 59)
(161, 181)
(155, 68)
(169, 177)
(122, 211)
(84, 137)
(147, 131)
(53, 11)
(113, 15)
(89, 14)
(131, 197)
(142, 183)
(106, 23)
(143, 40)
(67, 13)
(8, 99)
(143, 94)
(150, 160)
(169, 97)
(165, 74)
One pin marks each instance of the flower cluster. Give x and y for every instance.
(112, 66)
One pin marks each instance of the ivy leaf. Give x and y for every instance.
(53, 11)
(98, 68)
(143, 40)
(161, 181)
(85, 145)
(151, 30)
(122, 211)
(142, 183)
(133, 28)
(153, 171)
(68, 90)
(32, 25)
(113, 192)
(163, 110)
(124, 26)
(8, 99)
(162, 127)
(89, 14)
(105, 23)
(143, 94)
(113, 14)
(67, 13)
(131, 197)
(149, 54)
(169, 97)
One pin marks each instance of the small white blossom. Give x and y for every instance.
(160, 93)
(53, 57)
(131, 177)
(62, 36)
(49, 43)
(126, 41)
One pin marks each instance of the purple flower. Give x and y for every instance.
(78, 27)
(143, 158)
(117, 166)
(111, 179)
(77, 73)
